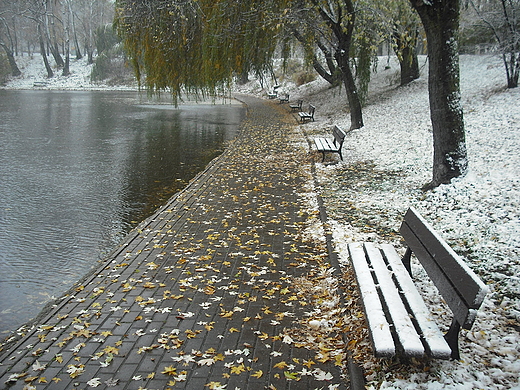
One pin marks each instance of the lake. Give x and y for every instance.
(78, 170)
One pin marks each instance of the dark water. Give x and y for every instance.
(78, 170)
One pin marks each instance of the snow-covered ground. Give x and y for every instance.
(34, 76)
(386, 163)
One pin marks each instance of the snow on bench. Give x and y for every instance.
(333, 145)
(397, 317)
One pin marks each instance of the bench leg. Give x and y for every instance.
(452, 338)
(323, 159)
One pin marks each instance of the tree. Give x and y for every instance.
(7, 42)
(403, 29)
(200, 45)
(440, 19)
(501, 17)
(329, 26)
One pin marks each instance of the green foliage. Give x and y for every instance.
(106, 38)
(197, 46)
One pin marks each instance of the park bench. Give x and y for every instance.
(332, 145)
(284, 99)
(297, 106)
(307, 116)
(40, 84)
(274, 94)
(397, 317)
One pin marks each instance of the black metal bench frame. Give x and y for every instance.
(333, 145)
(399, 322)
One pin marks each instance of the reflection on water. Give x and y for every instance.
(77, 171)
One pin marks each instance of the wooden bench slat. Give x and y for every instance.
(408, 337)
(460, 310)
(460, 274)
(379, 328)
(325, 145)
(460, 287)
(438, 347)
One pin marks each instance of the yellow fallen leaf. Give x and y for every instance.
(238, 369)
(170, 370)
(258, 374)
(112, 350)
(281, 365)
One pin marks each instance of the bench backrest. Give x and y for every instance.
(460, 287)
(339, 136)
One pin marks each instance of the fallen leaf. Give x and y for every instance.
(170, 370)
(291, 375)
(94, 382)
(258, 374)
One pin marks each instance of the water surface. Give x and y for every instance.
(78, 170)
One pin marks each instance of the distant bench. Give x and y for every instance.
(40, 84)
(284, 99)
(397, 317)
(332, 145)
(296, 106)
(307, 115)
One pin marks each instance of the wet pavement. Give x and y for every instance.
(225, 287)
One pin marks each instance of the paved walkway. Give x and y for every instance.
(214, 291)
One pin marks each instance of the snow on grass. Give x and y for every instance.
(33, 71)
(387, 162)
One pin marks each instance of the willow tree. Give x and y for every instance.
(440, 19)
(197, 46)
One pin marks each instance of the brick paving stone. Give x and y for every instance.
(201, 295)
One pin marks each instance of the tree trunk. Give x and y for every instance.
(356, 114)
(50, 73)
(90, 54)
(343, 29)
(407, 55)
(66, 67)
(15, 71)
(441, 22)
(55, 51)
(512, 68)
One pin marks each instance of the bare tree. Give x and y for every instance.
(7, 40)
(501, 17)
